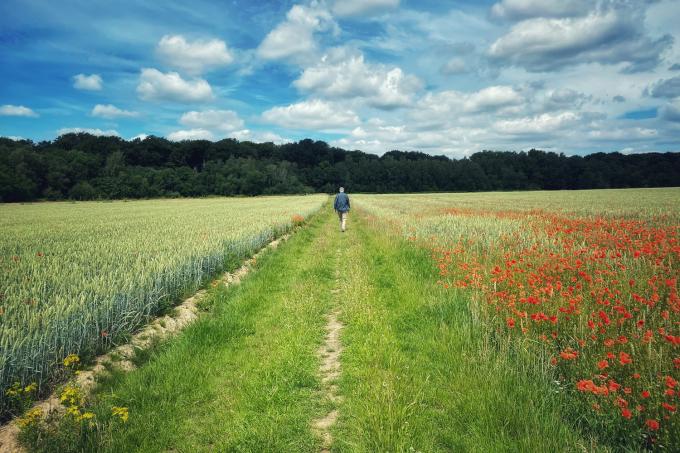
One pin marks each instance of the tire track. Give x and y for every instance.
(330, 368)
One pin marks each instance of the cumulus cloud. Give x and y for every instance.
(294, 37)
(491, 98)
(343, 75)
(110, 111)
(436, 109)
(314, 114)
(610, 34)
(222, 120)
(193, 57)
(155, 85)
(259, 137)
(191, 134)
(541, 124)
(92, 82)
(666, 88)
(87, 130)
(141, 137)
(524, 9)
(16, 110)
(355, 8)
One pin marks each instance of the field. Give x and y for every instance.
(77, 277)
(523, 321)
(587, 281)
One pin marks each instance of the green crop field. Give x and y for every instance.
(519, 321)
(75, 277)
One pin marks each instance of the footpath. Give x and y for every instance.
(334, 342)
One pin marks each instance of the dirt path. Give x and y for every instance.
(330, 367)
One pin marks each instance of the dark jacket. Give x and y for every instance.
(341, 202)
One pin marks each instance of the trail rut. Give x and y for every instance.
(330, 367)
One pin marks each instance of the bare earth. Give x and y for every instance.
(330, 370)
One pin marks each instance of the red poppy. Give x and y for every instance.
(624, 358)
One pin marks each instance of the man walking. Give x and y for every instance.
(341, 206)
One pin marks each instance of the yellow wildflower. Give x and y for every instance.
(32, 416)
(71, 360)
(87, 416)
(71, 395)
(122, 412)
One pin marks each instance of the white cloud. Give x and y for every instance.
(541, 124)
(16, 110)
(191, 134)
(491, 98)
(623, 134)
(223, 120)
(343, 75)
(314, 114)
(294, 37)
(86, 130)
(193, 57)
(91, 82)
(110, 111)
(611, 34)
(355, 8)
(141, 137)
(523, 9)
(155, 85)
(259, 137)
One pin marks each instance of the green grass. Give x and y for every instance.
(416, 375)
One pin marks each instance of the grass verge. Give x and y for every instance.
(418, 376)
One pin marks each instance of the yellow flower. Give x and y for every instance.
(87, 416)
(71, 360)
(31, 387)
(122, 412)
(71, 395)
(32, 416)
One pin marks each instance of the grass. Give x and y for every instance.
(76, 278)
(416, 374)
(242, 378)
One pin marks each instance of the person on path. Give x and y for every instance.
(341, 206)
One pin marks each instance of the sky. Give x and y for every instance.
(441, 77)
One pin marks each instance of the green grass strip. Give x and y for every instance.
(418, 376)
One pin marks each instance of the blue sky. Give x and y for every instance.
(443, 77)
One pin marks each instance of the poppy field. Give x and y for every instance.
(586, 281)
(76, 278)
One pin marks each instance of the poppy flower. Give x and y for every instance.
(652, 424)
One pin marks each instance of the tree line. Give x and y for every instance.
(86, 167)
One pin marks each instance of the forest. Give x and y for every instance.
(86, 167)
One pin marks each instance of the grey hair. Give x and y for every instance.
(342, 189)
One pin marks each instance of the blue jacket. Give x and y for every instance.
(341, 202)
